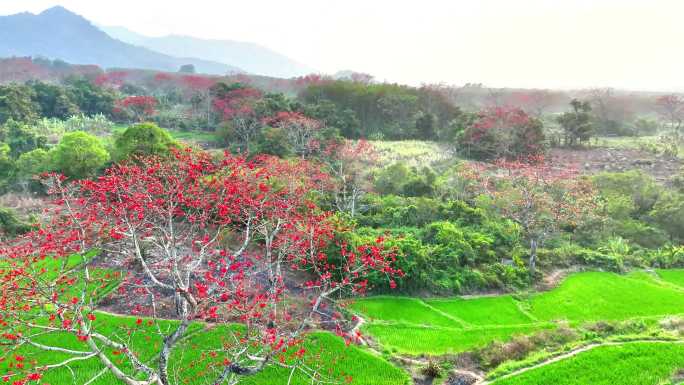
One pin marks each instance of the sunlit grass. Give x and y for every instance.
(436, 326)
(631, 364)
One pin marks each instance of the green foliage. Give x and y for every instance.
(10, 224)
(143, 139)
(21, 138)
(90, 99)
(443, 247)
(641, 210)
(667, 257)
(273, 141)
(399, 179)
(7, 167)
(644, 126)
(79, 155)
(32, 163)
(17, 103)
(344, 120)
(53, 100)
(668, 213)
(577, 124)
(388, 111)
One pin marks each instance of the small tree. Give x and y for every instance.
(213, 241)
(577, 125)
(540, 199)
(140, 108)
(503, 132)
(671, 109)
(237, 108)
(350, 165)
(199, 93)
(79, 155)
(302, 131)
(143, 139)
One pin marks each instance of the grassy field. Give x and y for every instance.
(675, 277)
(437, 326)
(417, 340)
(412, 152)
(606, 296)
(502, 310)
(630, 364)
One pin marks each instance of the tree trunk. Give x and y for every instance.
(533, 256)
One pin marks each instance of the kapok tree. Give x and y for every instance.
(237, 108)
(541, 199)
(114, 79)
(350, 164)
(671, 109)
(302, 131)
(503, 132)
(198, 91)
(236, 244)
(139, 108)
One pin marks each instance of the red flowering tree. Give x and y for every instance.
(236, 107)
(534, 102)
(114, 79)
(302, 132)
(671, 109)
(21, 69)
(350, 164)
(234, 243)
(539, 198)
(139, 108)
(198, 90)
(503, 132)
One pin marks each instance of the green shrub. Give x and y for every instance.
(79, 155)
(143, 139)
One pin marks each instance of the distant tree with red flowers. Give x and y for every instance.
(541, 199)
(114, 79)
(139, 108)
(236, 105)
(671, 109)
(503, 132)
(198, 90)
(198, 239)
(302, 131)
(350, 164)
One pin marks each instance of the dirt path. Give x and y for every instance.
(573, 353)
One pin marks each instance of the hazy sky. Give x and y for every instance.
(634, 44)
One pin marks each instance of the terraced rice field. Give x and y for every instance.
(438, 326)
(629, 364)
(338, 361)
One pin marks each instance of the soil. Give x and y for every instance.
(595, 160)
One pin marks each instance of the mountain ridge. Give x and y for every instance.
(58, 33)
(251, 57)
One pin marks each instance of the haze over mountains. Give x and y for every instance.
(58, 33)
(250, 57)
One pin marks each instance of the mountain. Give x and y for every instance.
(251, 57)
(58, 33)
